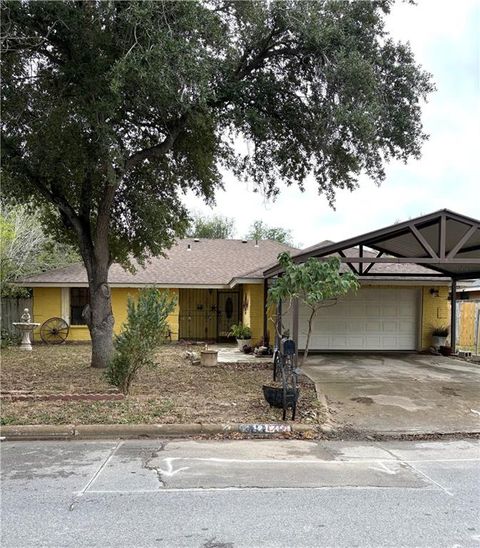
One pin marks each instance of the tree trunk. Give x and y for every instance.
(307, 343)
(99, 318)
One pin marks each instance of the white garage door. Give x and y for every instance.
(372, 319)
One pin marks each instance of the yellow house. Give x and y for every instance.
(216, 283)
(405, 280)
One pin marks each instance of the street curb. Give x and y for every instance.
(132, 431)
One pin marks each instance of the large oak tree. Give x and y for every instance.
(112, 108)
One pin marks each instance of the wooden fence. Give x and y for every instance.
(468, 322)
(11, 311)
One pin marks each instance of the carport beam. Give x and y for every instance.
(453, 317)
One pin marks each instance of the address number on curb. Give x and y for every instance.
(264, 428)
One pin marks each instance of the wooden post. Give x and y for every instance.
(453, 316)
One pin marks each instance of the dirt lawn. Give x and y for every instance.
(174, 391)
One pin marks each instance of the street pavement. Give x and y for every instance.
(223, 494)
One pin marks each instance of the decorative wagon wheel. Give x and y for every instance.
(54, 331)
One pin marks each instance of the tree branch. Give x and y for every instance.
(55, 198)
(157, 150)
(102, 227)
(243, 69)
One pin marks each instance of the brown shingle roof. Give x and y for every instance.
(209, 263)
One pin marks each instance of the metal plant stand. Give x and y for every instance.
(285, 371)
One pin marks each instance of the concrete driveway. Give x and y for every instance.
(409, 393)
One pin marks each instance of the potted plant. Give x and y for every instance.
(439, 336)
(243, 334)
(445, 350)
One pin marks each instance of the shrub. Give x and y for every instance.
(241, 331)
(9, 339)
(145, 329)
(441, 331)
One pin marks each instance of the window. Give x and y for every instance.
(79, 298)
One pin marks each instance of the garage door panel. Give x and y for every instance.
(318, 341)
(404, 326)
(373, 310)
(389, 310)
(356, 310)
(407, 309)
(339, 341)
(372, 326)
(356, 342)
(356, 326)
(404, 342)
(389, 341)
(390, 326)
(338, 326)
(372, 319)
(373, 341)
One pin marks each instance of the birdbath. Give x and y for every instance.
(26, 328)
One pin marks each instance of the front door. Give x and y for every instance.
(228, 312)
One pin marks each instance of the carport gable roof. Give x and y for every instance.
(444, 242)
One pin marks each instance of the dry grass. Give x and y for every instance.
(174, 391)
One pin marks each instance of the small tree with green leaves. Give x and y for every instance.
(146, 328)
(216, 226)
(27, 248)
(315, 283)
(261, 231)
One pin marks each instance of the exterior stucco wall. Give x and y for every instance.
(435, 312)
(253, 312)
(47, 303)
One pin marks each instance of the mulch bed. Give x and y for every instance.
(173, 391)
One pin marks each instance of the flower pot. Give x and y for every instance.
(209, 358)
(446, 350)
(437, 342)
(242, 342)
(274, 396)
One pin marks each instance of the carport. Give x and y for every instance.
(444, 242)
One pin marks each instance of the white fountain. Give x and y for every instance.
(26, 327)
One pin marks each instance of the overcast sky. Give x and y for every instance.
(445, 38)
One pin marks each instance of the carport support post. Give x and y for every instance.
(295, 326)
(453, 317)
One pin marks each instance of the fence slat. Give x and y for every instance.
(11, 311)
